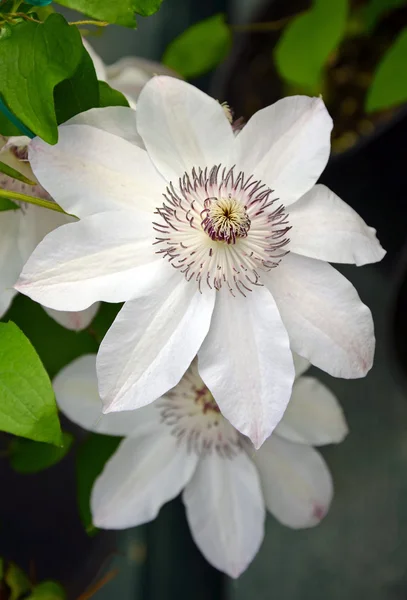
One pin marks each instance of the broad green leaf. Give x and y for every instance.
(27, 403)
(120, 12)
(47, 590)
(389, 85)
(376, 9)
(33, 60)
(110, 97)
(6, 204)
(308, 40)
(59, 346)
(91, 458)
(15, 174)
(17, 581)
(78, 93)
(200, 48)
(30, 457)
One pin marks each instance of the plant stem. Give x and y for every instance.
(96, 23)
(32, 200)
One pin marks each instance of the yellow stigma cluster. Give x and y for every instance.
(225, 220)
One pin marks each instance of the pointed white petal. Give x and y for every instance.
(76, 321)
(143, 474)
(130, 74)
(90, 171)
(76, 392)
(324, 316)
(97, 61)
(313, 415)
(297, 484)
(246, 362)
(117, 120)
(324, 227)
(107, 256)
(152, 342)
(225, 511)
(11, 261)
(182, 127)
(286, 145)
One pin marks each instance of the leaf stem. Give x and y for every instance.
(32, 200)
(96, 23)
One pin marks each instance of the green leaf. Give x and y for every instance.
(110, 97)
(120, 12)
(389, 85)
(15, 174)
(47, 590)
(27, 403)
(200, 48)
(34, 58)
(91, 458)
(17, 581)
(307, 42)
(30, 457)
(376, 9)
(6, 204)
(78, 93)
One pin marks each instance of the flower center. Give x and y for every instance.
(225, 220)
(221, 228)
(195, 419)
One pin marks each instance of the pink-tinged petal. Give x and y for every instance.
(246, 362)
(324, 316)
(152, 342)
(286, 145)
(182, 127)
(296, 482)
(313, 416)
(117, 120)
(76, 392)
(107, 257)
(225, 511)
(75, 321)
(145, 472)
(91, 171)
(324, 227)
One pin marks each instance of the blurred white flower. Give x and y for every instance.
(21, 231)
(182, 442)
(129, 74)
(217, 243)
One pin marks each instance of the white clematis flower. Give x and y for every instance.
(22, 230)
(129, 74)
(182, 443)
(217, 242)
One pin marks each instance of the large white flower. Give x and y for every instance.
(21, 231)
(217, 242)
(129, 74)
(182, 442)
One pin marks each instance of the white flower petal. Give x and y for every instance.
(182, 127)
(313, 415)
(324, 227)
(225, 511)
(76, 392)
(143, 474)
(297, 484)
(76, 321)
(324, 316)
(246, 362)
(152, 342)
(286, 145)
(97, 61)
(90, 171)
(130, 74)
(117, 120)
(107, 256)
